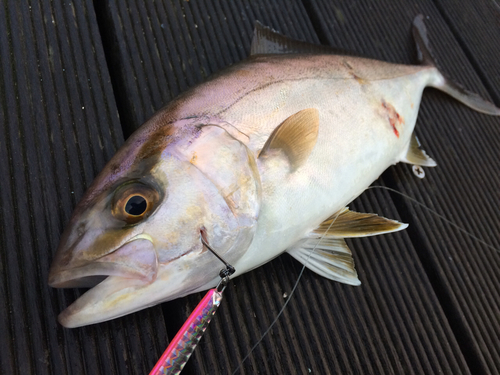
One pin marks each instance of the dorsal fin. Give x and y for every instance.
(416, 156)
(267, 41)
(296, 137)
(350, 224)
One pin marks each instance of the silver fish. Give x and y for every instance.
(263, 158)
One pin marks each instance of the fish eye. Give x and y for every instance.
(136, 205)
(133, 202)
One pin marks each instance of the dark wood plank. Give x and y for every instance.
(464, 186)
(59, 125)
(477, 30)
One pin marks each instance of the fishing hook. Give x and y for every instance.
(225, 272)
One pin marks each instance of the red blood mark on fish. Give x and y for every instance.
(393, 116)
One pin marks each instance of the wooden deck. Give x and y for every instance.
(77, 77)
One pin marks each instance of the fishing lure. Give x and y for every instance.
(185, 341)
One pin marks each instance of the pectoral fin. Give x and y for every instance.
(416, 156)
(296, 137)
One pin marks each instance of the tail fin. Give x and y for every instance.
(443, 83)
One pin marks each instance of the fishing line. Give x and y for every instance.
(481, 241)
(324, 234)
(289, 297)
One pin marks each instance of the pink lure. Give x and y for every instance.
(182, 346)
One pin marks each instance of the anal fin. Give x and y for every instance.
(348, 224)
(416, 156)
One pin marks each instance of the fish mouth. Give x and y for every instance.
(136, 259)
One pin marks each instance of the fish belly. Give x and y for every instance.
(365, 126)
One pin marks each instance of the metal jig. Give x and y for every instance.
(185, 341)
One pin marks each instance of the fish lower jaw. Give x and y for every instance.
(98, 303)
(118, 296)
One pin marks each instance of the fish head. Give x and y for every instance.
(135, 238)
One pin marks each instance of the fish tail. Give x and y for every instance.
(443, 83)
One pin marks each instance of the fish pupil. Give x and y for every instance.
(136, 205)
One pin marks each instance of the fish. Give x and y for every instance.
(261, 159)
